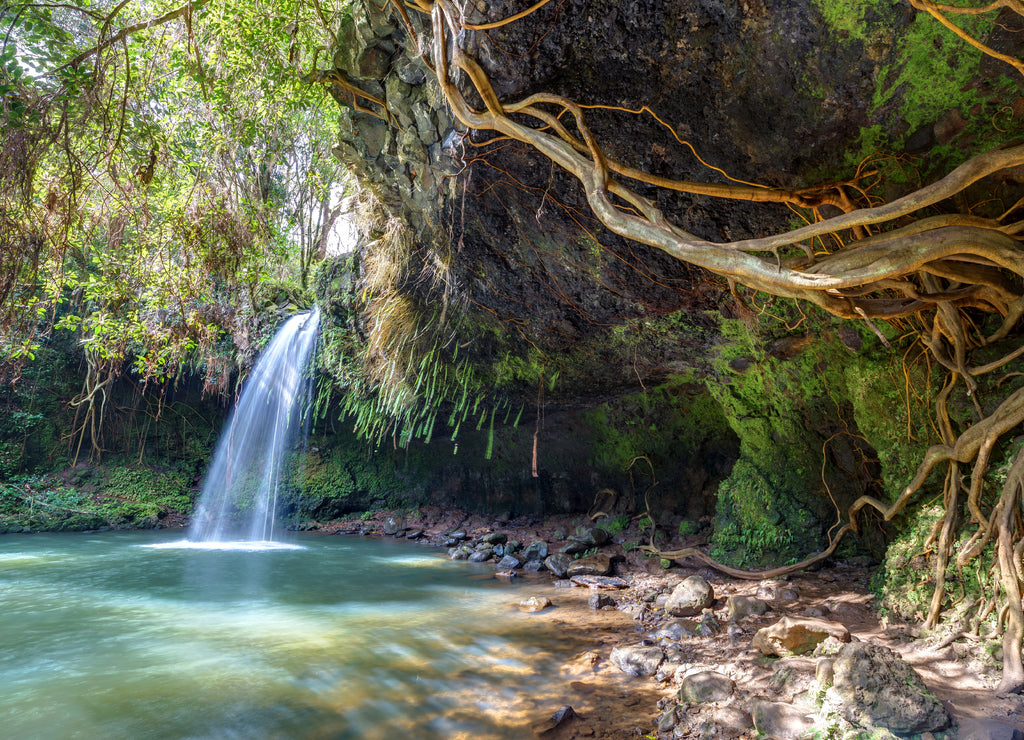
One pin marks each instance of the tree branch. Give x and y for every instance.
(129, 30)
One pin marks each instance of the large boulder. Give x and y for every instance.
(393, 525)
(690, 597)
(797, 635)
(874, 688)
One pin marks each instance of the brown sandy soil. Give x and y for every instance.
(609, 704)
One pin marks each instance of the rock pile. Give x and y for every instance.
(826, 681)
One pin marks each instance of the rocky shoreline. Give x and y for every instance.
(704, 656)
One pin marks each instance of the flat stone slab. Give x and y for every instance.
(603, 582)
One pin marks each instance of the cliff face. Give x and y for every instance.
(504, 255)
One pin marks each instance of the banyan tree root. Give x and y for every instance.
(90, 405)
(893, 261)
(1008, 551)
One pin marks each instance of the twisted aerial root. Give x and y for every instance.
(892, 261)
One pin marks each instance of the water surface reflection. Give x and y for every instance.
(344, 638)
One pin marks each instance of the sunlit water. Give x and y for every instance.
(102, 637)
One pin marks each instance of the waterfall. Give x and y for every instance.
(239, 497)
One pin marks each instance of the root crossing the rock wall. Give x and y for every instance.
(888, 261)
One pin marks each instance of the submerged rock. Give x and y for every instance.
(535, 604)
(690, 597)
(559, 718)
(987, 729)
(600, 601)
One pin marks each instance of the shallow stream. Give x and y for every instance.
(101, 636)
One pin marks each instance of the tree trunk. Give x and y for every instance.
(1013, 665)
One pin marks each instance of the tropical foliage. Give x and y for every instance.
(157, 161)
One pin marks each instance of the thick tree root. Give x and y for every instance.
(893, 261)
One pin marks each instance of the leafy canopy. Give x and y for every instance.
(161, 165)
